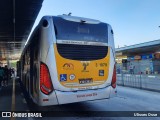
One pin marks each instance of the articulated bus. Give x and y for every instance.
(69, 59)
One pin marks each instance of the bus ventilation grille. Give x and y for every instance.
(82, 52)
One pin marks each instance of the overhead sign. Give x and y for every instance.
(148, 56)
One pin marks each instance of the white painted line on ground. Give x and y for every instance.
(128, 75)
(13, 99)
(118, 74)
(152, 76)
(137, 75)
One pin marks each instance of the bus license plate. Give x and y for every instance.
(85, 81)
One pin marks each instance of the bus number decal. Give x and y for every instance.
(101, 64)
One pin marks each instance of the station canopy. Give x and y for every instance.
(16, 20)
(138, 49)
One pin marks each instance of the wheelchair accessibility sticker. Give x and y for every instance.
(63, 77)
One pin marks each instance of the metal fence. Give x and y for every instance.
(144, 80)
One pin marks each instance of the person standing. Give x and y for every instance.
(6, 75)
(131, 69)
(1, 76)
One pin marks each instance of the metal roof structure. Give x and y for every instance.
(16, 20)
(147, 47)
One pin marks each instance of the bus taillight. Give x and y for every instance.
(45, 80)
(114, 78)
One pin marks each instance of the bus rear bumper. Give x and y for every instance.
(79, 96)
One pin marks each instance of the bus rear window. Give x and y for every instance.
(80, 31)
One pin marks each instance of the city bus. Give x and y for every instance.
(69, 59)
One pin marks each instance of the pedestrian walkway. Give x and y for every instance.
(11, 98)
(6, 97)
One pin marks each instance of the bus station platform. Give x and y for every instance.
(12, 98)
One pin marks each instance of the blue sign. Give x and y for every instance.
(148, 56)
(63, 77)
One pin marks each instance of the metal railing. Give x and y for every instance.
(143, 80)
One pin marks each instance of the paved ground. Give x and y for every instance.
(128, 99)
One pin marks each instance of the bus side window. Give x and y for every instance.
(23, 62)
(35, 60)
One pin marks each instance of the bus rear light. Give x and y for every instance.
(45, 80)
(114, 78)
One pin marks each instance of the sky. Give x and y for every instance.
(133, 21)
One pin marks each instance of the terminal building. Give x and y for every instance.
(143, 58)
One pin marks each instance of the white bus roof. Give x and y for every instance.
(79, 19)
